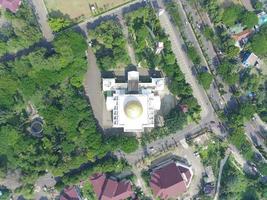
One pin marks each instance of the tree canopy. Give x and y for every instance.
(20, 29)
(236, 13)
(109, 47)
(259, 42)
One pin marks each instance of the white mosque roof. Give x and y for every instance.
(133, 103)
(133, 112)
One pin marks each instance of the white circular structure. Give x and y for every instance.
(133, 109)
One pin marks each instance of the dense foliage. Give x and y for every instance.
(235, 185)
(51, 81)
(109, 45)
(58, 24)
(212, 153)
(259, 42)
(236, 13)
(205, 78)
(19, 30)
(228, 71)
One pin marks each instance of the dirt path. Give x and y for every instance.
(126, 34)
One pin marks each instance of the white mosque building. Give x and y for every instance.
(133, 103)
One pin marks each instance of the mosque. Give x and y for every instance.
(133, 103)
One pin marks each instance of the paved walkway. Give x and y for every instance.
(42, 15)
(93, 90)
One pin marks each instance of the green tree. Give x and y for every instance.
(57, 24)
(259, 42)
(205, 79)
(257, 5)
(193, 55)
(232, 14)
(249, 19)
(208, 33)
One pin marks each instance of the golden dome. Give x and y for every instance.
(133, 109)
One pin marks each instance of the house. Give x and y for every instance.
(238, 28)
(209, 180)
(262, 18)
(250, 60)
(160, 47)
(111, 189)
(242, 37)
(11, 5)
(70, 193)
(170, 180)
(184, 108)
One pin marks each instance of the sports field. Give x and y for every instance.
(82, 8)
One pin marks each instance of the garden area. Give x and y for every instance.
(109, 48)
(235, 185)
(145, 34)
(212, 152)
(19, 30)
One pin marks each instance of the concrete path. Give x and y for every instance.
(222, 163)
(42, 14)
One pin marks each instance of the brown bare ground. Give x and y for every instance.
(81, 8)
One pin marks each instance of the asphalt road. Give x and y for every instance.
(42, 14)
(92, 87)
(184, 63)
(191, 37)
(207, 46)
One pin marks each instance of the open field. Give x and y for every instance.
(82, 8)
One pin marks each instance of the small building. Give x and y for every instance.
(242, 37)
(133, 103)
(160, 47)
(262, 18)
(70, 193)
(209, 178)
(209, 181)
(170, 180)
(250, 60)
(236, 29)
(183, 108)
(110, 189)
(11, 5)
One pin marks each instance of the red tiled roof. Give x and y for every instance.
(11, 5)
(108, 189)
(70, 193)
(242, 35)
(168, 181)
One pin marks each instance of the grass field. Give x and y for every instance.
(82, 8)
